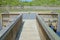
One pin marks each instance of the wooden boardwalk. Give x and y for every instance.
(29, 31)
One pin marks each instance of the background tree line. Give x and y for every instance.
(32, 3)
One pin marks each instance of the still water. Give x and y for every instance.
(29, 16)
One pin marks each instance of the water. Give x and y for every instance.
(29, 16)
(26, 0)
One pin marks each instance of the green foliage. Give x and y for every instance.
(33, 3)
(0, 2)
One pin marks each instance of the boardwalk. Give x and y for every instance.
(29, 31)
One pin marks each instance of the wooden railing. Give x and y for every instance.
(10, 32)
(45, 31)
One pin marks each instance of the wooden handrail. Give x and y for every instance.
(9, 32)
(47, 14)
(51, 34)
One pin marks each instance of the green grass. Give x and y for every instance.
(33, 3)
(57, 11)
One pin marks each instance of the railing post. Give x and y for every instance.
(0, 21)
(58, 27)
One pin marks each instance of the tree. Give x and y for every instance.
(0, 2)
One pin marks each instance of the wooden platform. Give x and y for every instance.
(29, 31)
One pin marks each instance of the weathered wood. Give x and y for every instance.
(42, 32)
(11, 33)
(29, 31)
(58, 27)
(0, 22)
(48, 33)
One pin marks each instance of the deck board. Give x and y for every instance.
(30, 31)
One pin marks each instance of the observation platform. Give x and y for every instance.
(17, 28)
(29, 31)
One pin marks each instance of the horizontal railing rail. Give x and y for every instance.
(9, 32)
(51, 34)
(48, 14)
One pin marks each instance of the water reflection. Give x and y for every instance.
(29, 16)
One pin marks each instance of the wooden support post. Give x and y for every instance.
(0, 22)
(58, 28)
